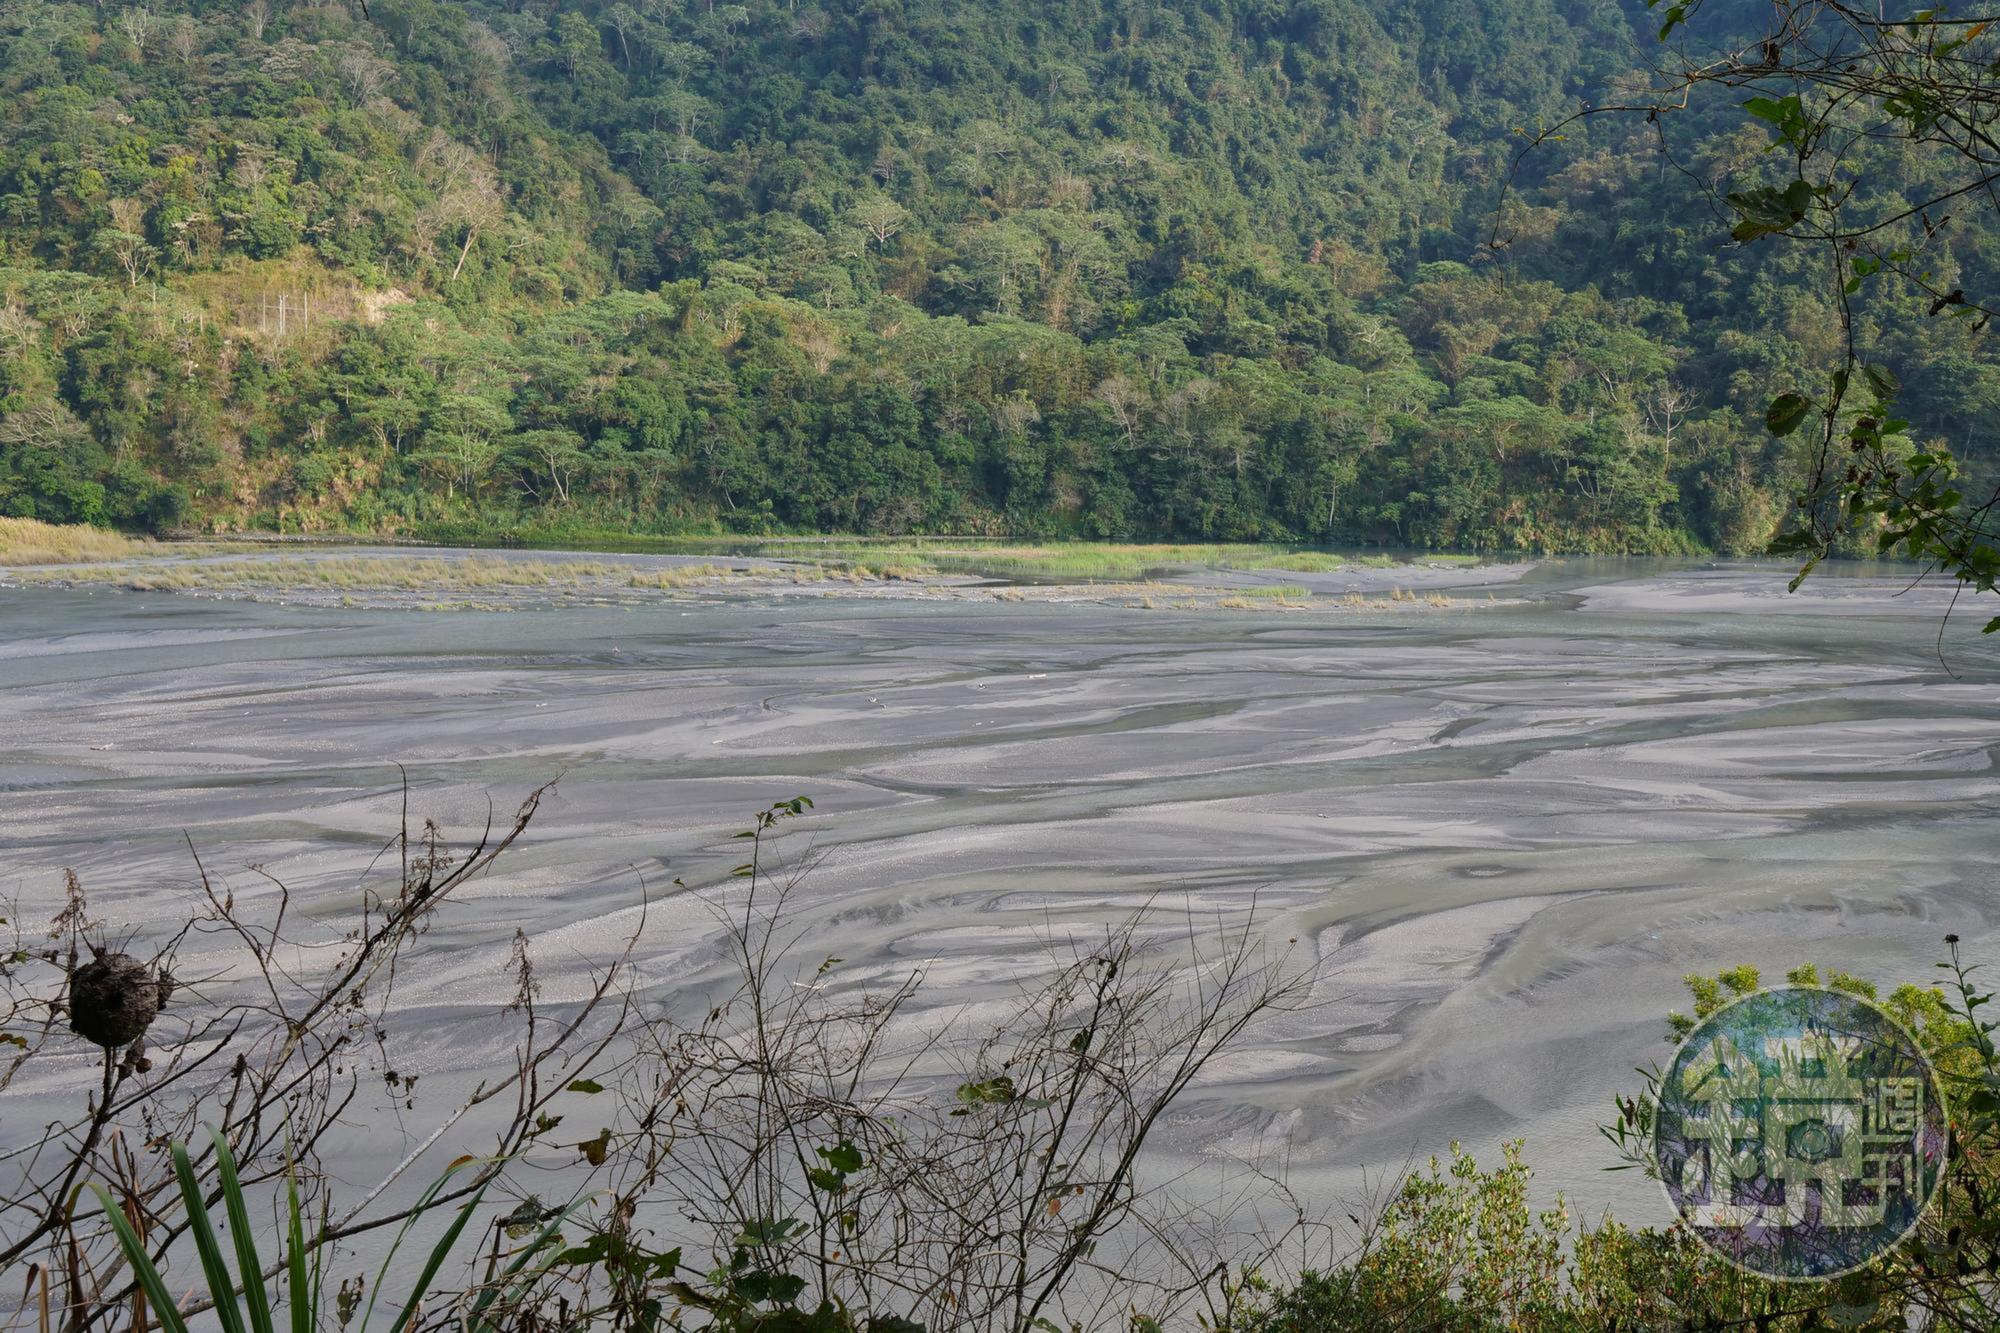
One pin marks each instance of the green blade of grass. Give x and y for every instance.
(300, 1296)
(221, 1287)
(408, 1319)
(143, 1267)
(437, 1256)
(319, 1255)
(247, 1263)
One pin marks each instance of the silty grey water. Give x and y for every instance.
(1506, 831)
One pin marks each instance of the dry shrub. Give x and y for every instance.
(275, 1063)
(808, 1145)
(803, 1147)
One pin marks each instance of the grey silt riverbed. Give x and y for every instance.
(1506, 830)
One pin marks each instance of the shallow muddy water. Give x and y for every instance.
(1507, 829)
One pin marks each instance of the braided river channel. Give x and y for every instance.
(1501, 829)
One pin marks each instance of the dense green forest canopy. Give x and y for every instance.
(1220, 269)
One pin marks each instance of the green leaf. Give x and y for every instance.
(247, 1263)
(765, 1231)
(986, 1092)
(1765, 210)
(537, 1246)
(143, 1268)
(1771, 109)
(585, 1085)
(609, 1251)
(1787, 413)
(405, 1319)
(408, 1319)
(1676, 15)
(842, 1157)
(759, 1285)
(221, 1288)
(299, 1292)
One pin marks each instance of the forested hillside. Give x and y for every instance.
(1119, 268)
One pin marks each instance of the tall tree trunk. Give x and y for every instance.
(471, 235)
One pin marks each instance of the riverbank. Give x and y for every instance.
(1182, 577)
(999, 556)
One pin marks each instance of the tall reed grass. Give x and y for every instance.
(27, 541)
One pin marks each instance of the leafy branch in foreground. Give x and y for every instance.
(1460, 1249)
(1943, 1276)
(1836, 85)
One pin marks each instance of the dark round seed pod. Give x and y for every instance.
(113, 999)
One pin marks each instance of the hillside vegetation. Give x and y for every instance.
(1207, 270)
